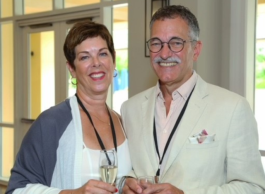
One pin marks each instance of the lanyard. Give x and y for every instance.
(91, 121)
(169, 138)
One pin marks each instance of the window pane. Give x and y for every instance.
(6, 8)
(42, 79)
(260, 74)
(7, 151)
(120, 38)
(74, 3)
(36, 6)
(110, 0)
(260, 90)
(6, 74)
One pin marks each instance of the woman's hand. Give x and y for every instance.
(93, 187)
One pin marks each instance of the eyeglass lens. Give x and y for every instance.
(174, 44)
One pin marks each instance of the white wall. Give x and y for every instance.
(141, 75)
(227, 32)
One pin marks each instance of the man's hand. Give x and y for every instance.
(162, 188)
(131, 187)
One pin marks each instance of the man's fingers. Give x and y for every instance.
(131, 186)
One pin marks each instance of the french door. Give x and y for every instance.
(44, 79)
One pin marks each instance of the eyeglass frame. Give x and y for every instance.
(162, 44)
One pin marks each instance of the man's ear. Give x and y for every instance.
(71, 70)
(197, 50)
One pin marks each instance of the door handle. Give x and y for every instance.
(26, 120)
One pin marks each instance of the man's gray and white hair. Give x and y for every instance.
(173, 11)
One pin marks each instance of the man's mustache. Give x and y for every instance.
(168, 60)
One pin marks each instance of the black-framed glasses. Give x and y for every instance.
(174, 44)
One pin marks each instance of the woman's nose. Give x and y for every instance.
(96, 62)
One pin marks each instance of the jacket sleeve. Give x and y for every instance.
(36, 159)
(37, 188)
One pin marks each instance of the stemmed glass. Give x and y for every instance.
(108, 163)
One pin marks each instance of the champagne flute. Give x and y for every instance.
(108, 163)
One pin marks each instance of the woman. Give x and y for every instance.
(60, 153)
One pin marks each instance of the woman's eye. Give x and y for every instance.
(83, 58)
(103, 54)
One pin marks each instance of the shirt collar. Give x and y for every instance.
(183, 91)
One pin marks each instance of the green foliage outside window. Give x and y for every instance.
(260, 68)
(121, 64)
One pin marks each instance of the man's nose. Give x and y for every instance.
(165, 51)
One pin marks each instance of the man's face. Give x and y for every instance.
(173, 68)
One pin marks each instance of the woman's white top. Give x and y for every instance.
(91, 163)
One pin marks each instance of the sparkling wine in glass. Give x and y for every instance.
(108, 163)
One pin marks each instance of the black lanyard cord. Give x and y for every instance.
(170, 136)
(91, 121)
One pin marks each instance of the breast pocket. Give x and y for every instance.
(202, 152)
(198, 156)
(204, 160)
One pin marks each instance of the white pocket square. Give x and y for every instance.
(202, 137)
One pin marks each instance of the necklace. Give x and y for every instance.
(91, 121)
(107, 123)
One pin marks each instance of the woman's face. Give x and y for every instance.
(94, 66)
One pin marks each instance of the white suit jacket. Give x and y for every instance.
(229, 165)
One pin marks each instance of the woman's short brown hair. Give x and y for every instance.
(80, 32)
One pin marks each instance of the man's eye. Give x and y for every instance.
(176, 43)
(155, 44)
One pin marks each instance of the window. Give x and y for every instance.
(120, 38)
(260, 76)
(6, 99)
(6, 8)
(74, 3)
(37, 6)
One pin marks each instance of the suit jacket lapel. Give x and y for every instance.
(148, 108)
(194, 109)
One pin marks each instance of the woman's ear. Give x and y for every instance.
(71, 69)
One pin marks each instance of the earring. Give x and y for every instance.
(73, 81)
(115, 73)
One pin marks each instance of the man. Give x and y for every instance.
(194, 137)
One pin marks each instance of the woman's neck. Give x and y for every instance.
(93, 103)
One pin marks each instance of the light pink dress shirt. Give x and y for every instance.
(165, 123)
